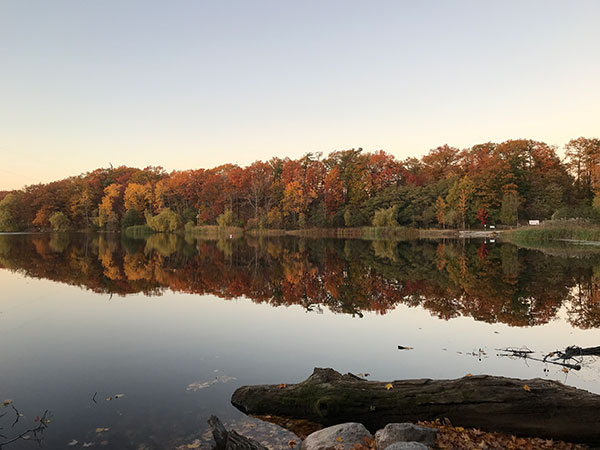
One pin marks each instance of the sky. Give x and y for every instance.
(194, 84)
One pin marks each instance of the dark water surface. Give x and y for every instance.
(177, 325)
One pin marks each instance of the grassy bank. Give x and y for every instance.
(370, 233)
(214, 232)
(555, 231)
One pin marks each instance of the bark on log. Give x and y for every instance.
(545, 408)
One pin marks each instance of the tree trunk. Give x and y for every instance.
(536, 407)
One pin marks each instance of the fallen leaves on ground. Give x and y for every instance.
(281, 386)
(389, 386)
(459, 438)
(292, 443)
(7, 402)
(527, 388)
(102, 429)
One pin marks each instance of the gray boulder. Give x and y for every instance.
(327, 438)
(404, 432)
(407, 446)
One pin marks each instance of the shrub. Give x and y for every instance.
(189, 215)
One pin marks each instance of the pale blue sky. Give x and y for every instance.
(188, 84)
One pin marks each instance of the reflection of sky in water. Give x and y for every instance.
(59, 345)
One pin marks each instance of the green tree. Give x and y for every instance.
(132, 217)
(385, 217)
(165, 221)
(225, 219)
(509, 208)
(60, 222)
(8, 206)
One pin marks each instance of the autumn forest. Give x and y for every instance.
(486, 184)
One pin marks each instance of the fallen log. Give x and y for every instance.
(537, 407)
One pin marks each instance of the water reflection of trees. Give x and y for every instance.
(491, 283)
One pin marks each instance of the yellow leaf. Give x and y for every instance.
(460, 429)
(339, 439)
(527, 388)
(389, 386)
(292, 443)
(468, 375)
(195, 444)
(281, 386)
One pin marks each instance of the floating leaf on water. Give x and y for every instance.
(102, 430)
(73, 442)
(87, 444)
(389, 386)
(565, 370)
(197, 385)
(108, 399)
(281, 386)
(7, 402)
(468, 375)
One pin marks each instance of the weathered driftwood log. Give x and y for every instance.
(536, 407)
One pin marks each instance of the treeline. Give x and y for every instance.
(488, 183)
(490, 283)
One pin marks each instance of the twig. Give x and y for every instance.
(37, 431)
(18, 415)
(526, 354)
(94, 397)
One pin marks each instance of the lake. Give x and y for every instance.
(133, 343)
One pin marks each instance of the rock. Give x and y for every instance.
(407, 446)
(404, 432)
(342, 436)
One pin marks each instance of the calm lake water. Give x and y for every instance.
(176, 325)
